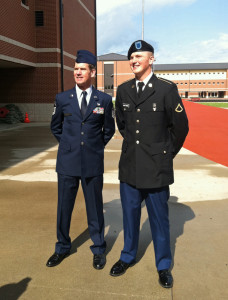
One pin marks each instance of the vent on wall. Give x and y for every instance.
(25, 2)
(39, 16)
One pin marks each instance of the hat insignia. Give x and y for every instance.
(138, 45)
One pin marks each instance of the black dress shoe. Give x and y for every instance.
(165, 278)
(56, 259)
(120, 267)
(99, 261)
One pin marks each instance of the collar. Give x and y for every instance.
(146, 80)
(79, 92)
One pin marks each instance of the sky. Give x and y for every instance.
(181, 31)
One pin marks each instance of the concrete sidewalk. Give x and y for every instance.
(198, 218)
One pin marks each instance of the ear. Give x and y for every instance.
(93, 73)
(151, 59)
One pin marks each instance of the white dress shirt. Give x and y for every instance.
(80, 95)
(145, 81)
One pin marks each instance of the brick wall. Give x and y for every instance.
(30, 58)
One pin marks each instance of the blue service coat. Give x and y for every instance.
(82, 140)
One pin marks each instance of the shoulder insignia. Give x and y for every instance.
(179, 108)
(166, 80)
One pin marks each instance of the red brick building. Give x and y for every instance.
(38, 43)
(201, 80)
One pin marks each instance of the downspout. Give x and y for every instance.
(61, 42)
(95, 8)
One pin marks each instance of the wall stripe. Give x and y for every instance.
(88, 11)
(37, 50)
(37, 65)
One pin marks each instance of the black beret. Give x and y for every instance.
(141, 46)
(85, 56)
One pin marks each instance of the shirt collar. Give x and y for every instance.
(146, 80)
(79, 92)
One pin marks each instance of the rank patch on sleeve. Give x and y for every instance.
(179, 108)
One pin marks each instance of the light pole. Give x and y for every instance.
(142, 19)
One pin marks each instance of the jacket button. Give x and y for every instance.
(82, 143)
(137, 142)
(137, 121)
(164, 152)
(83, 123)
(138, 110)
(137, 131)
(82, 133)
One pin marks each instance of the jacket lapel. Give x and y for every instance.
(132, 91)
(74, 101)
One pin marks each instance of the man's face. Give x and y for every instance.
(83, 75)
(141, 62)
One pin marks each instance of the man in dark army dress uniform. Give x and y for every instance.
(82, 122)
(152, 120)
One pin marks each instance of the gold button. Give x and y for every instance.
(164, 152)
(82, 143)
(138, 110)
(83, 123)
(137, 121)
(137, 142)
(124, 108)
(82, 133)
(137, 131)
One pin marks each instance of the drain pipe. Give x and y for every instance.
(61, 41)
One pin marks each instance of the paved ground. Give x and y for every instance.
(198, 218)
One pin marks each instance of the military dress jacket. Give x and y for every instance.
(82, 139)
(154, 128)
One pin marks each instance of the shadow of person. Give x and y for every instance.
(13, 291)
(114, 221)
(80, 240)
(179, 213)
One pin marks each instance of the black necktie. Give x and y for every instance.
(140, 87)
(84, 103)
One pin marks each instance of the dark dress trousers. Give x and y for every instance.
(154, 128)
(81, 158)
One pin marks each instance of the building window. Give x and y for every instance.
(209, 83)
(217, 82)
(185, 83)
(222, 82)
(190, 83)
(39, 17)
(199, 82)
(204, 83)
(213, 82)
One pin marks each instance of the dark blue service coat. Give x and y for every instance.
(82, 140)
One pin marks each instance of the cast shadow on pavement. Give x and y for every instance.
(179, 214)
(22, 143)
(13, 291)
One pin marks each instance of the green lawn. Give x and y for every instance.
(216, 104)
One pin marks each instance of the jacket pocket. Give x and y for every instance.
(64, 146)
(161, 148)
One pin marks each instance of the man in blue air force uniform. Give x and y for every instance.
(83, 123)
(152, 120)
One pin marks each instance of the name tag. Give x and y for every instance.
(99, 110)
